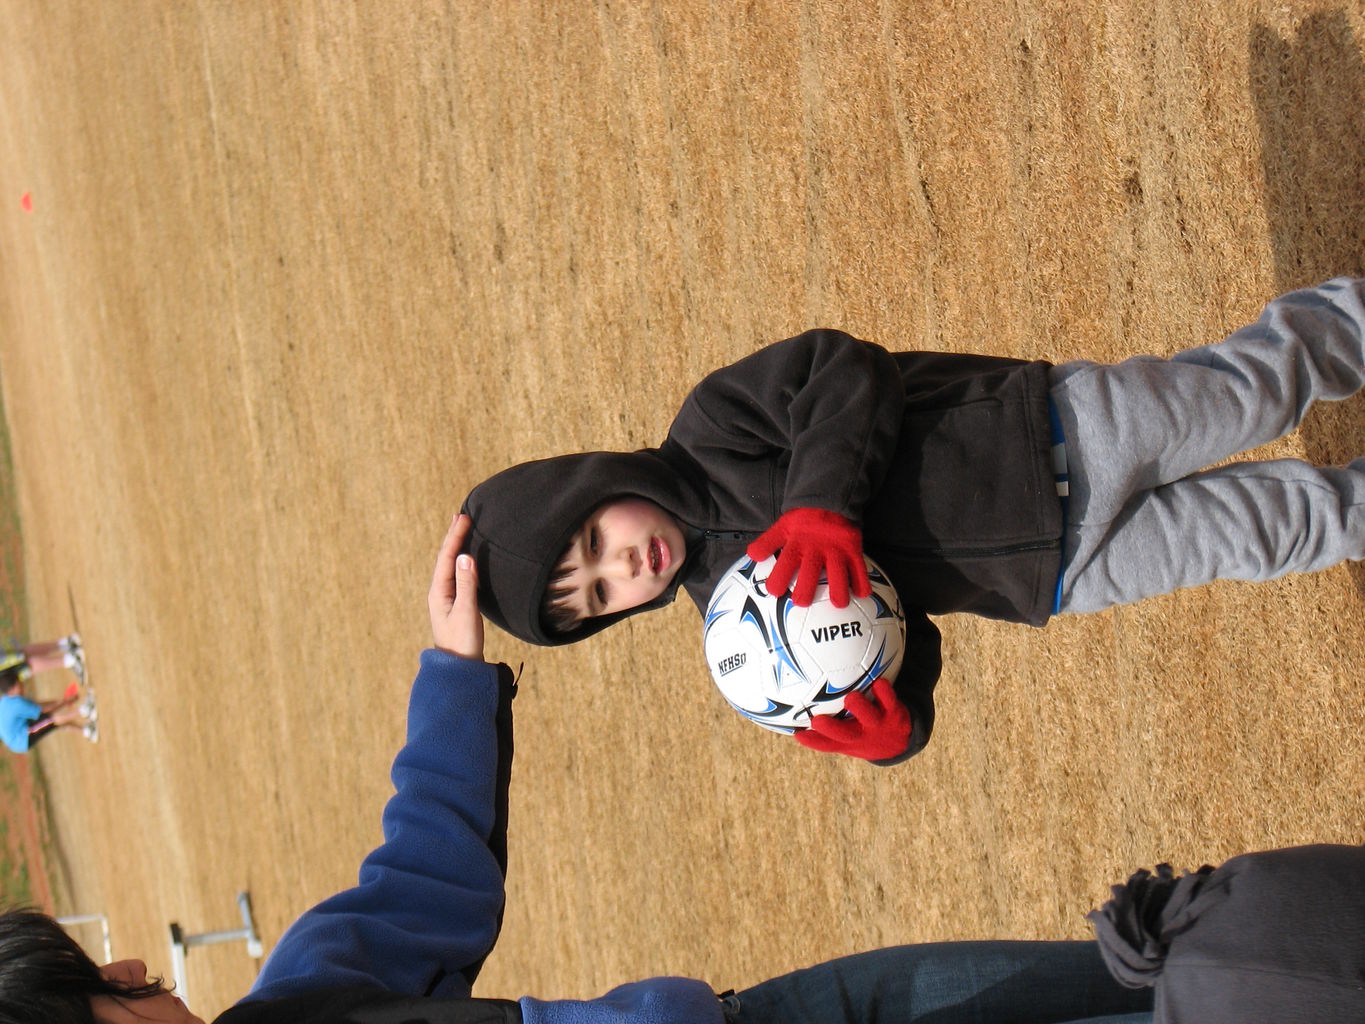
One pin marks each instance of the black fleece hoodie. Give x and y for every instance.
(942, 459)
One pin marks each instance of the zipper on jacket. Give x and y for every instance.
(965, 552)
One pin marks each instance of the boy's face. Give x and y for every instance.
(165, 1008)
(626, 554)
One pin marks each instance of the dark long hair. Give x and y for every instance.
(45, 976)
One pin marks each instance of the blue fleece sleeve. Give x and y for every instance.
(429, 898)
(656, 1001)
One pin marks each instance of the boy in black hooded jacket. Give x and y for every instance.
(1009, 489)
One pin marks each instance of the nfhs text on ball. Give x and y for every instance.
(728, 665)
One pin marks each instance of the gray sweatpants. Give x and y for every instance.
(1146, 516)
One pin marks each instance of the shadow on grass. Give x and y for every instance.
(1309, 94)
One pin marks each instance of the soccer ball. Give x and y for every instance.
(778, 664)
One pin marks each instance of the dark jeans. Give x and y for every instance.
(949, 983)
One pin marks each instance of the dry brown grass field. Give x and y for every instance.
(297, 275)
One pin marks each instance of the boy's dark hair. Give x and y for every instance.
(11, 678)
(555, 611)
(45, 976)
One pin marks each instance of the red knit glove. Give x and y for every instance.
(876, 732)
(813, 540)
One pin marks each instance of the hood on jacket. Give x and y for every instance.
(1277, 936)
(524, 517)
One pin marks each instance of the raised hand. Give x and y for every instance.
(875, 732)
(812, 541)
(456, 625)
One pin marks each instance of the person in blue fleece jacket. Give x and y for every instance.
(405, 944)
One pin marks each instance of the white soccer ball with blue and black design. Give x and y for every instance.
(778, 664)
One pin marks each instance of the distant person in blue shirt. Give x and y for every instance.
(23, 722)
